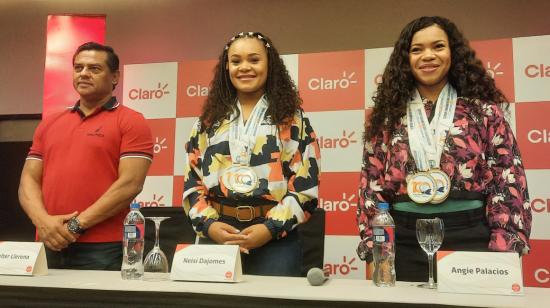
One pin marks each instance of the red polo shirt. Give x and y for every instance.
(80, 156)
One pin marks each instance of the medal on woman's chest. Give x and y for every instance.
(241, 179)
(421, 187)
(442, 185)
(432, 186)
(426, 141)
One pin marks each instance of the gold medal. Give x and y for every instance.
(421, 187)
(241, 179)
(442, 185)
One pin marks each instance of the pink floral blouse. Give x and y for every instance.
(480, 155)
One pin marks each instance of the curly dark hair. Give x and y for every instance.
(466, 74)
(282, 95)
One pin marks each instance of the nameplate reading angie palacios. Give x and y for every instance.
(479, 272)
(220, 263)
(23, 258)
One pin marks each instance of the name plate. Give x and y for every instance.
(23, 258)
(479, 272)
(219, 263)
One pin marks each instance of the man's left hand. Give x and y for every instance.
(76, 235)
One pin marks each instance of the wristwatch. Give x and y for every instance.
(74, 226)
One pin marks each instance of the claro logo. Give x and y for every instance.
(342, 142)
(339, 205)
(159, 145)
(196, 90)
(143, 94)
(537, 71)
(316, 84)
(540, 205)
(538, 136)
(343, 268)
(493, 70)
(155, 203)
(542, 275)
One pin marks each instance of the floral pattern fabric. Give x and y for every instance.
(286, 159)
(480, 155)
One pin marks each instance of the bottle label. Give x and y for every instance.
(130, 232)
(384, 234)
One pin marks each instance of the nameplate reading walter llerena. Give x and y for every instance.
(14, 256)
(23, 258)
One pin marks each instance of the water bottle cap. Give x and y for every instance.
(134, 205)
(383, 206)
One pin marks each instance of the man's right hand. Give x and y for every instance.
(53, 231)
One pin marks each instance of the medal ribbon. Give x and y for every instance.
(427, 139)
(242, 137)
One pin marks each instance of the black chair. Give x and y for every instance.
(312, 236)
(175, 230)
(178, 230)
(15, 225)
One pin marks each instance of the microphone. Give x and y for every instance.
(316, 276)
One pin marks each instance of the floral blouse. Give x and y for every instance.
(480, 155)
(286, 159)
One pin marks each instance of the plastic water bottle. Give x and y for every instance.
(384, 247)
(133, 244)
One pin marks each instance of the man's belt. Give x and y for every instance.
(242, 212)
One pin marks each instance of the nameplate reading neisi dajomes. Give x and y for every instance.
(219, 263)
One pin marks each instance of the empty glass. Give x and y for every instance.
(155, 266)
(429, 233)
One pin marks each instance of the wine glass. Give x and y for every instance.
(429, 233)
(155, 266)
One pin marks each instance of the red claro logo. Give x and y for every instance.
(159, 145)
(542, 275)
(196, 90)
(493, 69)
(343, 268)
(228, 275)
(537, 71)
(155, 203)
(540, 205)
(538, 136)
(316, 84)
(28, 269)
(341, 142)
(516, 287)
(339, 205)
(144, 94)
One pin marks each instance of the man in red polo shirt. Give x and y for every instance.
(85, 166)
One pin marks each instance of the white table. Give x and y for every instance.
(105, 284)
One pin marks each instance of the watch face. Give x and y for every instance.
(73, 225)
